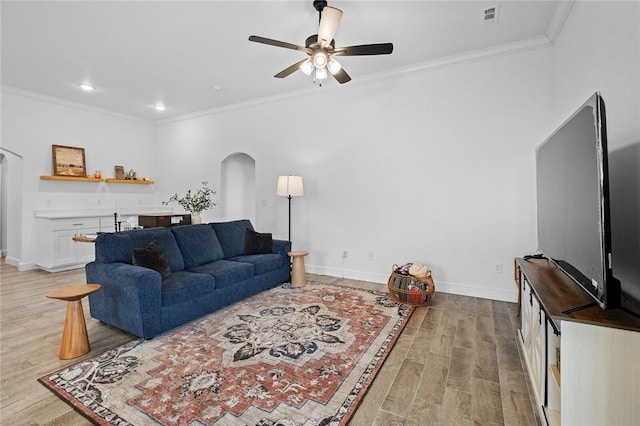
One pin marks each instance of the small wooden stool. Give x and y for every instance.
(298, 277)
(75, 340)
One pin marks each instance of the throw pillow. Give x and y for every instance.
(257, 243)
(151, 256)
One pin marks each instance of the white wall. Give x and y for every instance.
(599, 50)
(433, 166)
(31, 124)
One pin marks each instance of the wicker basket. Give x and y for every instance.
(411, 290)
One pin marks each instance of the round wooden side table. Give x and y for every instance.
(298, 276)
(75, 340)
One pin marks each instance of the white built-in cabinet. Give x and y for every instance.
(56, 249)
(583, 366)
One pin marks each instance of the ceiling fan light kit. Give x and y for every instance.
(321, 48)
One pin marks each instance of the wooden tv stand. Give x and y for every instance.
(592, 377)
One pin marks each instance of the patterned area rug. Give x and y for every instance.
(286, 356)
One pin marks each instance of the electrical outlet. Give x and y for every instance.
(497, 268)
(371, 256)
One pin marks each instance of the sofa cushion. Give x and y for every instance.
(231, 236)
(261, 262)
(226, 272)
(151, 256)
(183, 286)
(198, 244)
(118, 246)
(257, 243)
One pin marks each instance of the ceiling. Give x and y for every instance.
(195, 56)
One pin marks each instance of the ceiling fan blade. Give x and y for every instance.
(290, 70)
(329, 20)
(365, 49)
(278, 43)
(342, 76)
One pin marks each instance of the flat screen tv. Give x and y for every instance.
(574, 225)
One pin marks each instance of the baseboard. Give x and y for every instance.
(347, 273)
(22, 266)
(12, 261)
(476, 291)
(441, 286)
(27, 266)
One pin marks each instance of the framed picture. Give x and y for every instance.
(119, 172)
(68, 161)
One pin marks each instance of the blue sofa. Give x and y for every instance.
(208, 271)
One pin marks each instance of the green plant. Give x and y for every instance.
(196, 202)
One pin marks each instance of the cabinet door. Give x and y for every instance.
(63, 250)
(85, 252)
(537, 349)
(525, 314)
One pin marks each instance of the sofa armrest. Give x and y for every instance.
(281, 247)
(130, 297)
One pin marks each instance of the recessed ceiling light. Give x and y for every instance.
(216, 87)
(87, 87)
(160, 107)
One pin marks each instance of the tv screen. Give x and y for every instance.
(573, 202)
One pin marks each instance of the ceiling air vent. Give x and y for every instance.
(491, 15)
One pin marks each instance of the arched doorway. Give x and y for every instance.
(11, 206)
(238, 190)
(3, 205)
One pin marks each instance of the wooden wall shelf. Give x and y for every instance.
(71, 178)
(138, 182)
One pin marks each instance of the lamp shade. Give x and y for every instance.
(290, 186)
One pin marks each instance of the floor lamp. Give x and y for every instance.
(290, 186)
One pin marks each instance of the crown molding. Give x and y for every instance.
(69, 104)
(562, 12)
(534, 43)
(10, 152)
(507, 49)
(539, 42)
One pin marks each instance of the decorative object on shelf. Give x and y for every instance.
(196, 202)
(116, 222)
(68, 161)
(98, 174)
(411, 284)
(131, 175)
(119, 170)
(290, 186)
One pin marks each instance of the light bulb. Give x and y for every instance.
(320, 59)
(321, 73)
(160, 107)
(307, 67)
(334, 66)
(87, 87)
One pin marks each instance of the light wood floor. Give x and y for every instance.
(456, 362)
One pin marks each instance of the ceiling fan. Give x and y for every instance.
(321, 48)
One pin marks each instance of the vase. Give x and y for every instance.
(195, 219)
